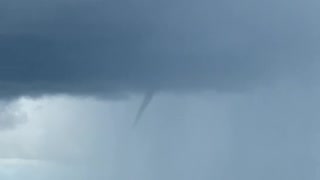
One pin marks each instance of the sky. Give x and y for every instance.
(235, 84)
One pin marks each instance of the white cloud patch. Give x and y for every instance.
(11, 114)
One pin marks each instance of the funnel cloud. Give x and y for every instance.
(146, 101)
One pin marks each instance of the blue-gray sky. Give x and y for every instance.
(237, 89)
(271, 133)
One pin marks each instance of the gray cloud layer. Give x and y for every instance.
(101, 47)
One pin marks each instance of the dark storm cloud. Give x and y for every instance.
(102, 47)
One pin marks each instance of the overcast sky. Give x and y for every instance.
(236, 89)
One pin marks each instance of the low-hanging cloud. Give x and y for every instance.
(111, 47)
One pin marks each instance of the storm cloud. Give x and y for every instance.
(112, 47)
